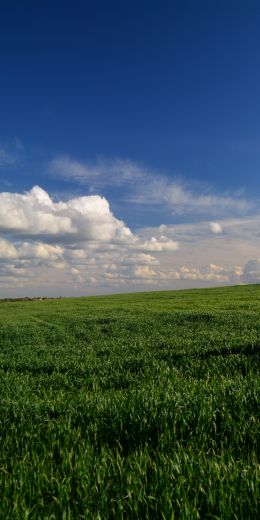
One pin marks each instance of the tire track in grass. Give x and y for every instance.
(54, 325)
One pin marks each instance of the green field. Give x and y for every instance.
(131, 406)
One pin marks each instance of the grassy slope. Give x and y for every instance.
(131, 406)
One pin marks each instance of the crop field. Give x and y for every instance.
(131, 406)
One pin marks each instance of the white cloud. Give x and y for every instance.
(78, 246)
(182, 199)
(159, 244)
(252, 271)
(36, 214)
(144, 271)
(235, 229)
(208, 273)
(131, 257)
(7, 250)
(103, 172)
(39, 251)
(151, 188)
(215, 227)
(78, 242)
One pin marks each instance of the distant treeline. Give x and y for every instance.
(29, 299)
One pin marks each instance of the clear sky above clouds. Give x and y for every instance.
(129, 145)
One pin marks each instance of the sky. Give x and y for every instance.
(129, 145)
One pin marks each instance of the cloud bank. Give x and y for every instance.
(80, 239)
(78, 246)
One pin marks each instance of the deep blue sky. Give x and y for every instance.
(152, 104)
(173, 85)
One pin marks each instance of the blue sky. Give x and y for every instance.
(151, 107)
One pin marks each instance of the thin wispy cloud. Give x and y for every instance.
(11, 154)
(183, 199)
(7, 158)
(148, 188)
(104, 172)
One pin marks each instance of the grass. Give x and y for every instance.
(131, 406)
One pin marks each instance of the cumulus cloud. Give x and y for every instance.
(159, 244)
(144, 271)
(252, 271)
(215, 227)
(39, 251)
(49, 246)
(80, 238)
(7, 250)
(131, 257)
(23, 259)
(84, 218)
(208, 273)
